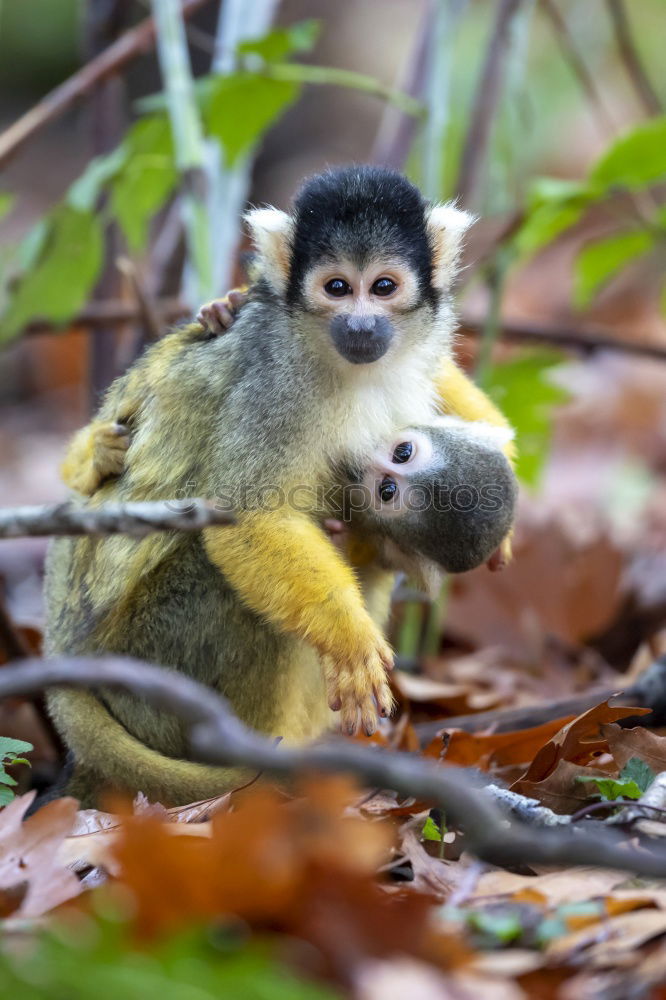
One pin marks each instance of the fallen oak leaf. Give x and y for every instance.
(578, 741)
(29, 856)
(488, 749)
(561, 790)
(639, 742)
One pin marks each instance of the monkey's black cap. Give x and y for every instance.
(359, 212)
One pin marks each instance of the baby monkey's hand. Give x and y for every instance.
(217, 316)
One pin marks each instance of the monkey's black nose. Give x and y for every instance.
(361, 339)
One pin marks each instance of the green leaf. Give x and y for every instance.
(6, 202)
(610, 789)
(147, 179)
(6, 779)
(6, 795)
(283, 42)
(637, 770)
(504, 927)
(241, 107)
(63, 276)
(431, 830)
(635, 160)
(10, 746)
(85, 191)
(523, 391)
(598, 262)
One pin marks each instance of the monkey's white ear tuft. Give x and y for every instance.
(271, 231)
(446, 227)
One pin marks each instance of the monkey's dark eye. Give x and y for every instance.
(387, 489)
(337, 287)
(383, 286)
(403, 452)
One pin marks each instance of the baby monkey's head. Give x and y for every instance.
(360, 255)
(445, 492)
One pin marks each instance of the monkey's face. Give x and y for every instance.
(445, 492)
(361, 306)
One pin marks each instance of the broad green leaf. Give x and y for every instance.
(6, 795)
(611, 789)
(431, 830)
(637, 770)
(240, 109)
(635, 160)
(6, 779)
(598, 262)
(85, 191)
(547, 222)
(6, 202)
(8, 746)
(147, 179)
(524, 392)
(283, 42)
(62, 277)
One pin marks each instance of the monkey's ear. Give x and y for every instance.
(446, 226)
(271, 231)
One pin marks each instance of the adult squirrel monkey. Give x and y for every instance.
(346, 337)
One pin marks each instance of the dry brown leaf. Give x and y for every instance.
(560, 790)
(572, 885)
(486, 750)
(577, 741)
(455, 699)
(637, 742)
(431, 875)
(611, 941)
(29, 856)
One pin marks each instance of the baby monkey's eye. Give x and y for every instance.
(383, 286)
(387, 489)
(337, 287)
(402, 452)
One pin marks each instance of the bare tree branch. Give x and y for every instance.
(485, 103)
(130, 45)
(632, 62)
(136, 519)
(218, 737)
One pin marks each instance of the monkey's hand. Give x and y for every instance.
(217, 316)
(96, 453)
(285, 568)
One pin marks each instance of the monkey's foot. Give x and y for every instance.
(358, 687)
(97, 454)
(217, 316)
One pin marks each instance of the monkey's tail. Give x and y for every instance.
(109, 758)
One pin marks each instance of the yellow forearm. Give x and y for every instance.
(286, 569)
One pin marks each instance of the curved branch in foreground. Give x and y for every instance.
(136, 519)
(218, 737)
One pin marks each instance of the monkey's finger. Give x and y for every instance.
(384, 699)
(369, 717)
(333, 526)
(349, 718)
(122, 430)
(236, 299)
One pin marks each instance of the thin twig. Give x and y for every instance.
(577, 64)
(485, 103)
(136, 519)
(218, 737)
(130, 45)
(632, 63)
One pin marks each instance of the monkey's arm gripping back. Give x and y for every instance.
(286, 570)
(460, 397)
